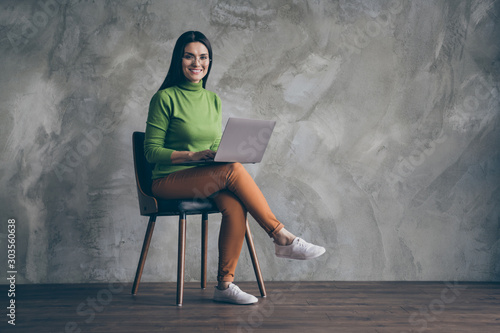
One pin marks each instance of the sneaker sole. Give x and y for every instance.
(232, 302)
(290, 257)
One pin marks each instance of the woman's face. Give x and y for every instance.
(195, 61)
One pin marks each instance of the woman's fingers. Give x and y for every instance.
(211, 153)
(205, 154)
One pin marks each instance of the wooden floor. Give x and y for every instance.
(289, 307)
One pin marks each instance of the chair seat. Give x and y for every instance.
(188, 206)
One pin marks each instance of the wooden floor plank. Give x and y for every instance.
(290, 307)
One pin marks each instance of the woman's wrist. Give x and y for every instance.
(181, 156)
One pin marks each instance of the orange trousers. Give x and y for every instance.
(235, 193)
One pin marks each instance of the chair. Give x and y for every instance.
(153, 207)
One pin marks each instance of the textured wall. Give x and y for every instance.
(385, 150)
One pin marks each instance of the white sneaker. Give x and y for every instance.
(299, 249)
(234, 295)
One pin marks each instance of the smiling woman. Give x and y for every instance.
(184, 124)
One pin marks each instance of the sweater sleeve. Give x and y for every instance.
(216, 143)
(156, 130)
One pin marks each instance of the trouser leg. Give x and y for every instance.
(232, 233)
(202, 182)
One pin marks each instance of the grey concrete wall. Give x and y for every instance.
(385, 150)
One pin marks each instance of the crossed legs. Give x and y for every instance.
(235, 193)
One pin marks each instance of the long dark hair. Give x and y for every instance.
(175, 74)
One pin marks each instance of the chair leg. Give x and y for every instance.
(204, 237)
(144, 253)
(181, 258)
(255, 261)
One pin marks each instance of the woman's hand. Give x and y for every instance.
(203, 155)
(187, 156)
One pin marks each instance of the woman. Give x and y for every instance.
(184, 124)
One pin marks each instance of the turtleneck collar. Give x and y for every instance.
(188, 85)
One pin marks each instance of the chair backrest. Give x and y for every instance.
(143, 172)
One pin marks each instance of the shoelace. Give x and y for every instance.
(234, 289)
(301, 243)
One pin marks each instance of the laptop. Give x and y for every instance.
(243, 140)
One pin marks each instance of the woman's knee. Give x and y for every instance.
(229, 204)
(237, 169)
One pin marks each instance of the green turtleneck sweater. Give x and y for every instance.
(185, 117)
